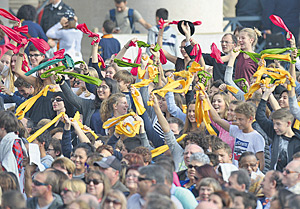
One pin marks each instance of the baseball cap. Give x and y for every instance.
(110, 161)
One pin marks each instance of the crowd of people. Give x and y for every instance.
(166, 131)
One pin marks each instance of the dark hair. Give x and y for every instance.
(26, 12)
(196, 138)
(32, 48)
(56, 145)
(225, 197)
(249, 200)
(147, 155)
(113, 86)
(43, 138)
(242, 177)
(86, 146)
(176, 121)
(120, 1)
(21, 83)
(134, 159)
(162, 13)
(108, 26)
(13, 199)
(207, 171)
(8, 121)
(217, 83)
(56, 130)
(277, 177)
(245, 154)
(214, 160)
(233, 37)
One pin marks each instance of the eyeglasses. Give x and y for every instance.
(95, 181)
(34, 55)
(37, 183)
(131, 175)
(144, 179)
(114, 201)
(104, 87)
(225, 42)
(192, 166)
(65, 190)
(288, 171)
(57, 99)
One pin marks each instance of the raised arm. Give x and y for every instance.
(145, 24)
(214, 115)
(169, 57)
(122, 52)
(228, 76)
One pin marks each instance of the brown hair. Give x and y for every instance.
(106, 109)
(282, 114)
(124, 75)
(246, 109)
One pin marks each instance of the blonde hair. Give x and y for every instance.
(65, 163)
(74, 185)
(246, 109)
(117, 194)
(226, 99)
(107, 108)
(252, 33)
(93, 72)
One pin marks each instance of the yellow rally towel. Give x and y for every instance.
(279, 74)
(195, 67)
(184, 108)
(201, 111)
(144, 82)
(44, 128)
(121, 127)
(164, 148)
(297, 122)
(139, 107)
(76, 118)
(232, 89)
(25, 106)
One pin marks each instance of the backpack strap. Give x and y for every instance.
(130, 17)
(112, 15)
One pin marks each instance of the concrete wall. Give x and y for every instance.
(210, 12)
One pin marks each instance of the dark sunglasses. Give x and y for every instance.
(114, 201)
(192, 166)
(95, 181)
(57, 99)
(288, 171)
(144, 178)
(37, 183)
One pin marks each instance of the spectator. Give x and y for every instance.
(169, 36)
(42, 193)
(291, 176)
(114, 198)
(111, 167)
(108, 44)
(125, 18)
(53, 12)
(13, 200)
(12, 149)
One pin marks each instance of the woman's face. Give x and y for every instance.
(284, 100)
(205, 192)
(103, 91)
(230, 113)
(80, 158)
(121, 106)
(95, 186)
(132, 179)
(57, 103)
(219, 104)
(112, 202)
(182, 50)
(13, 62)
(191, 113)
(163, 104)
(192, 169)
(216, 200)
(40, 72)
(68, 196)
(5, 60)
(245, 41)
(110, 72)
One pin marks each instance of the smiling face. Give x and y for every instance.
(35, 57)
(131, 180)
(230, 113)
(205, 192)
(249, 163)
(121, 107)
(80, 158)
(68, 196)
(245, 41)
(182, 50)
(219, 104)
(284, 100)
(103, 91)
(281, 127)
(191, 113)
(227, 44)
(110, 72)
